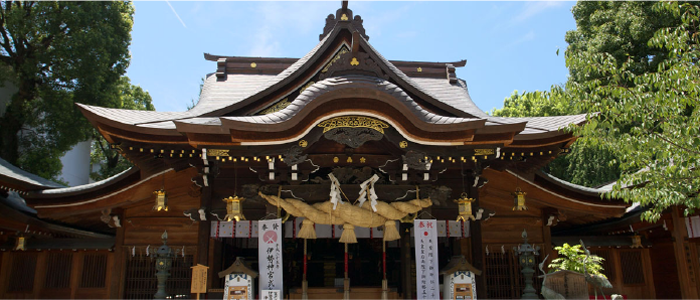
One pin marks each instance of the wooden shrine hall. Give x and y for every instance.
(307, 141)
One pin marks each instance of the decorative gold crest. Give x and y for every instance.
(363, 160)
(253, 65)
(419, 69)
(303, 143)
(354, 62)
(276, 107)
(218, 152)
(344, 17)
(353, 122)
(479, 152)
(342, 51)
(403, 144)
(349, 159)
(336, 160)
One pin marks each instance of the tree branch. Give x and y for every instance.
(674, 144)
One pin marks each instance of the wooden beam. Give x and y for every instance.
(686, 272)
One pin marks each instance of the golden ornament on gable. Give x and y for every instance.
(353, 122)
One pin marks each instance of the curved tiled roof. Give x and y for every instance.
(25, 178)
(357, 81)
(225, 93)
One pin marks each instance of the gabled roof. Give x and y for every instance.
(236, 95)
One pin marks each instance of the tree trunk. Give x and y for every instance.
(14, 119)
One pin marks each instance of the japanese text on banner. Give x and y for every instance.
(270, 254)
(427, 281)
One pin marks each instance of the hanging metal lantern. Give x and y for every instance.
(161, 201)
(519, 199)
(465, 208)
(636, 241)
(233, 208)
(20, 244)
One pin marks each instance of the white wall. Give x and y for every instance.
(76, 164)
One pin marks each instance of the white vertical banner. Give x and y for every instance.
(427, 282)
(270, 254)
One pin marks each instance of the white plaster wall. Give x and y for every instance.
(76, 164)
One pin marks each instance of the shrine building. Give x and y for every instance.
(340, 174)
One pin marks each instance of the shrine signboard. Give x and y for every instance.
(427, 281)
(199, 279)
(270, 255)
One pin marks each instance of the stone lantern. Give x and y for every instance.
(526, 257)
(164, 262)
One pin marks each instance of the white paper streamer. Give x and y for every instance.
(372, 194)
(335, 191)
(148, 247)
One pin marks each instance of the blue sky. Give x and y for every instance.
(508, 45)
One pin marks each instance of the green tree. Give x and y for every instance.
(587, 164)
(650, 120)
(621, 29)
(58, 53)
(572, 258)
(109, 160)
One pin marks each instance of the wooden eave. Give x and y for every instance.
(14, 220)
(132, 192)
(501, 185)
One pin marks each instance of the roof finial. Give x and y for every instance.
(345, 5)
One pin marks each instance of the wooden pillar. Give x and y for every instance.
(477, 245)
(547, 241)
(118, 272)
(406, 278)
(76, 273)
(203, 235)
(686, 272)
(39, 274)
(5, 273)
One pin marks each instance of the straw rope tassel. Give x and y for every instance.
(307, 230)
(348, 236)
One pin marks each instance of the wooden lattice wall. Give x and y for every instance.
(141, 282)
(503, 277)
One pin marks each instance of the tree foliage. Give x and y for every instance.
(634, 65)
(573, 258)
(58, 53)
(109, 160)
(651, 120)
(587, 164)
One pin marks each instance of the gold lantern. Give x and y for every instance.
(636, 241)
(465, 208)
(233, 208)
(161, 201)
(20, 244)
(519, 199)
